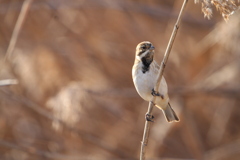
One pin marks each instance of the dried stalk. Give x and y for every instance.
(7, 82)
(17, 28)
(160, 74)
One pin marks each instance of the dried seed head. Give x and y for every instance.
(207, 11)
(225, 7)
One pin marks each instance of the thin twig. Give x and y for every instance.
(51, 155)
(160, 74)
(7, 82)
(17, 28)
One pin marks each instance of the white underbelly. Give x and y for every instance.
(144, 83)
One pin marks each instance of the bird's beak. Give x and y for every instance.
(151, 48)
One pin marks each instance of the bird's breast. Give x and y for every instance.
(144, 83)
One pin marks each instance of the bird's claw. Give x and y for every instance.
(155, 93)
(149, 117)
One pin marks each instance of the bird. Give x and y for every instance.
(144, 73)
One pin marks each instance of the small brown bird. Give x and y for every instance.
(144, 74)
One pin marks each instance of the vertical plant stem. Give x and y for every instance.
(160, 74)
(17, 28)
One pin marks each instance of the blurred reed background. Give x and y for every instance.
(75, 98)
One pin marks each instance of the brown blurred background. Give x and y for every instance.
(75, 98)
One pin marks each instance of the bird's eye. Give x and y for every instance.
(143, 47)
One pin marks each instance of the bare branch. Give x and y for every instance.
(17, 28)
(50, 155)
(7, 82)
(160, 74)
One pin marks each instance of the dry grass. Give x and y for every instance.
(225, 7)
(72, 61)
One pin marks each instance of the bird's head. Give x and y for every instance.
(145, 50)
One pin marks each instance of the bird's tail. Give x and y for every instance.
(170, 114)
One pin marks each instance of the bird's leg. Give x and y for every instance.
(155, 93)
(149, 117)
